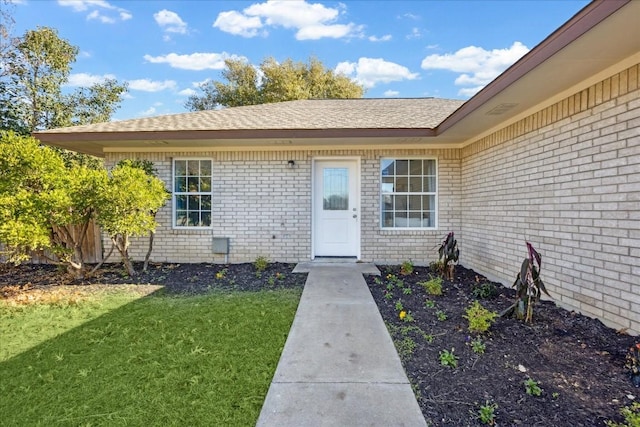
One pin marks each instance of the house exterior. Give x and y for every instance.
(549, 152)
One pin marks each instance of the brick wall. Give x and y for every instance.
(567, 179)
(264, 207)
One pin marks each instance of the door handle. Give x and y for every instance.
(355, 216)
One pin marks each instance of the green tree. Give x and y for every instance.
(273, 82)
(45, 208)
(35, 67)
(131, 199)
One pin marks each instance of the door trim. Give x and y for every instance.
(357, 161)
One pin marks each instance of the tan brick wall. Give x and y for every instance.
(265, 208)
(567, 179)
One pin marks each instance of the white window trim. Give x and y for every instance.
(173, 194)
(381, 199)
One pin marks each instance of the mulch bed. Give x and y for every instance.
(576, 361)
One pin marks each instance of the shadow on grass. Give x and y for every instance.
(159, 360)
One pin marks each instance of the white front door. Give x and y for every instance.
(336, 216)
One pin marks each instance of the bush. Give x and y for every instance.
(480, 319)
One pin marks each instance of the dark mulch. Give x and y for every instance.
(577, 361)
(176, 278)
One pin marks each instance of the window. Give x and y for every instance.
(409, 190)
(192, 193)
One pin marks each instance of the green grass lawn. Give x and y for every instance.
(118, 359)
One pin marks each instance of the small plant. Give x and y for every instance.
(632, 363)
(378, 281)
(441, 315)
(390, 286)
(529, 287)
(555, 395)
(487, 413)
(448, 358)
(405, 347)
(631, 416)
(406, 268)
(399, 306)
(432, 286)
(484, 290)
(221, 274)
(532, 387)
(271, 281)
(449, 255)
(480, 319)
(478, 346)
(280, 276)
(388, 295)
(260, 264)
(429, 303)
(406, 316)
(407, 291)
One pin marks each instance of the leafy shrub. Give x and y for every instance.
(433, 286)
(480, 319)
(529, 287)
(631, 416)
(406, 268)
(487, 413)
(260, 264)
(448, 358)
(532, 387)
(484, 290)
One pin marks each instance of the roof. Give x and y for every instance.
(359, 113)
(561, 64)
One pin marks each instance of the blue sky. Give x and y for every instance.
(164, 49)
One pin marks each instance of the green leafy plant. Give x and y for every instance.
(429, 303)
(406, 316)
(260, 264)
(407, 291)
(406, 268)
(480, 319)
(632, 363)
(221, 274)
(529, 287)
(441, 315)
(449, 254)
(631, 416)
(399, 306)
(388, 295)
(432, 286)
(487, 413)
(484, 290)
(478, 346)
(448, 358)
(532, 387)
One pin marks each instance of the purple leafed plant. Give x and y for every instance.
(529, 287)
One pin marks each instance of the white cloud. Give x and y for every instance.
(415, 33)
(148, 112)
(384, 38)
(312, 21)
(195, 61)
(147, 85)
(100, 10)
(102, 18)
(187, 92)
(477, 66)
(371, 71)
(170, 22)
(391, 93)
(236, 23)
(85, 79)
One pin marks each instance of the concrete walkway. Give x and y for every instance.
(339, 366)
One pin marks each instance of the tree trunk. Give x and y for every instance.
(146, 258)
(122, 244)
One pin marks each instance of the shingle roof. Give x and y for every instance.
(363, 113)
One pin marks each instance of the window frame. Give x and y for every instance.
(175, 193)
(435, 193)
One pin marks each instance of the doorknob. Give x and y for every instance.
(355, 216)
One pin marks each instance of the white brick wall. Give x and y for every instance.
(265, 208)
(567, 179)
